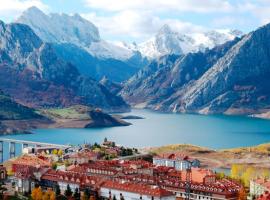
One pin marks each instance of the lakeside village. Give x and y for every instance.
(108, 171)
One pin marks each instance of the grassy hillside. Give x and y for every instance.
(10, 110)
(74, 112)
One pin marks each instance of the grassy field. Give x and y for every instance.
(75, 112)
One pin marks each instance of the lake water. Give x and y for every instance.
(214, 131)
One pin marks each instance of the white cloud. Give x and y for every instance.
(10, 9)
(141, 19)
(138, 25)
(202, 6)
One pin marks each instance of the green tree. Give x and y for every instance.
(54, 166)
(87, 193)
(77, 195)
(114, 198)
(57, 190)
(68, 192)
(2, 190)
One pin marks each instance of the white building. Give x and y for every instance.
(131, 191)
(177, 162)
(258, 187)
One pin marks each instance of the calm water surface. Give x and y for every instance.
(214, 131)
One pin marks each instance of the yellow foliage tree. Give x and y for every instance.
(34, 193)
(60, 152)
(236, 171)
(266, 173)
(248, 175)
(52, 196)
(37, 193)
(55, 152)
(46, 196)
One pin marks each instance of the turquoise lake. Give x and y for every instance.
(214, 131)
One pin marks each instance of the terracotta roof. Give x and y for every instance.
(32, 160)
(263, 182)
(137, 188)
(265, 196)
(71, 177)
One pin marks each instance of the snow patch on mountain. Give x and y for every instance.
(167, 41)
(63, 28)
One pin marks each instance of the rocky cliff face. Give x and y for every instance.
(35, 75)
(96, 68)
(231, 78)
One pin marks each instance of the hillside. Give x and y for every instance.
(81, 117)
(254, 156)
(10, 110)
(231, 79)
(34, 75)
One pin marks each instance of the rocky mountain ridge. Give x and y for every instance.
(230, 78)
(168, 41)
(34, 75)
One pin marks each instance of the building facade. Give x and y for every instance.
(177, 162)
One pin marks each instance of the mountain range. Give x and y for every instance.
(78, 41)
(34, 75)
(232, 78)
(60, 60)
(167, 41)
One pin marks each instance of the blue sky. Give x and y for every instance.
(137, 20)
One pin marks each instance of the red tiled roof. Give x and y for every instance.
(71, 177)
(137, 188)
(32, 160)
(263, 182)
(265, 196)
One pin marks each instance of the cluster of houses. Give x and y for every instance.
(164, 178)
(259, 189)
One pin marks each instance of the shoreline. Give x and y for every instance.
(15, 127)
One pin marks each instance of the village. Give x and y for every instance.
(109, 171)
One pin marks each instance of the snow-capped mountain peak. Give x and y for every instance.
(74, 29)
(60, 28)
(168, 41)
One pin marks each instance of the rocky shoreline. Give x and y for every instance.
(84, 118)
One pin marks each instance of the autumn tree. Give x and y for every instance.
(236, 171)
(92, 197)
(60, 152)
(37, 193)
(248, 175)
(86, 194)
(242, 194)
(55, 152)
